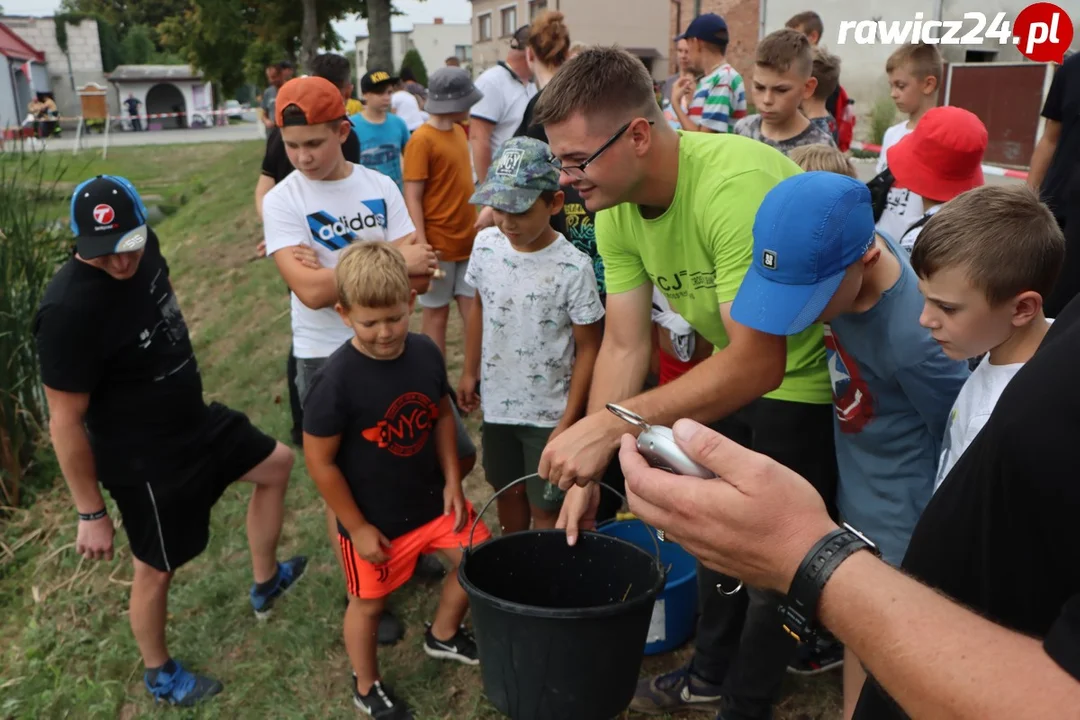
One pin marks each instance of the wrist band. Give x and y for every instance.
(94, 515)
(799, 612)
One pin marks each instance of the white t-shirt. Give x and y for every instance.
(504, 102)
(908, 240)
(971, 410)
(531, 301)
(328, 216)
(892, 136)
(406, 107)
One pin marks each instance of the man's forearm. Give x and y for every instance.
(617, 374)
(714, 389)
(481, 149)
(76, 458)
(1040, 162)
(931, 654)
(684, 118)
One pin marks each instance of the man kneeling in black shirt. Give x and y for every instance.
(126, 410)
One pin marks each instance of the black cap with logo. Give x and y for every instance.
(107, 216)
(376, 80)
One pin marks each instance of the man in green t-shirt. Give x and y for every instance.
(676, 211)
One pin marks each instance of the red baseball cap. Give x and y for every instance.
(942, 157)
(318, 98)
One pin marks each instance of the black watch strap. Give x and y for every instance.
(94, 515)
(799, 611)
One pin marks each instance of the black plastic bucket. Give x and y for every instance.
(561, 630)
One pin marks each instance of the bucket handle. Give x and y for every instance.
(493, 498)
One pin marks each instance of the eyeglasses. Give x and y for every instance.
(577, 172)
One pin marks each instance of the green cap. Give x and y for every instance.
(521, 170)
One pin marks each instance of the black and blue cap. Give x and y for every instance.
(107, 217)
(808, 231)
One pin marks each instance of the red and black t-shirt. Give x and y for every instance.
(385, 412)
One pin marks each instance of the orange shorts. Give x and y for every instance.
(368, 581)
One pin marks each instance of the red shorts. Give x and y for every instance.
(672, 368)
(368, 581)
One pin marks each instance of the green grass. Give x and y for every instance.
(67, 649)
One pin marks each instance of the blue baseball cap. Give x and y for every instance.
(107, 216)
(709, 27)
(808, 231)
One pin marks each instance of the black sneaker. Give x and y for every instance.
(817, 656)
(461, 647)
(380, 703)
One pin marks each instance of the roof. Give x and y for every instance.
(143, 73)
(14, 47)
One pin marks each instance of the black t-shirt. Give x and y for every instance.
(999, 536)
(575, 222)
(1063, 105)
(276, 161)
(126, 344)
(385, 412)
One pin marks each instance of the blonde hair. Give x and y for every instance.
(922, 59)
(822, 158)
(549, 38)
(827, 72)
(372, 274)
(785, 49)
(1004, 236)
(807, 22)
(578, 48)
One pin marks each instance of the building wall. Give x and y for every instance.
(84, 50)
(489, 52)
(12, 111)
(743, 20)
(627, 23)
(437, 41)
(400, 43)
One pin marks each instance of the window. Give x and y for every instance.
(484, 22)
(509, 21)
(463, 53)
(536, 7)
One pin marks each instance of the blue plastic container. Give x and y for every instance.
(675, 612)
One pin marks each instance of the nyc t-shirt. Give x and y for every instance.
(893, 388)
(698, 251)
(385, 412)
(531, 302)
(381, 144)
(125, 343)
(328, 217)
(720, 99)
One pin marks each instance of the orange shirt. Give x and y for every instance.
(441, 160)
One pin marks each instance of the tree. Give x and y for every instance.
(127, 14)
(309, 35)
(414, 62)
(380, 54)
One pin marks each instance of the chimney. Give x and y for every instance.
(438, 21)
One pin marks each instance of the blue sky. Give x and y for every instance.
(415, 11)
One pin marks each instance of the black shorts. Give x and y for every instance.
(168, 523)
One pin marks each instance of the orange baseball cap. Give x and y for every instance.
(318, 98)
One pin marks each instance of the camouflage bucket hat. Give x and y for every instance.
(520, 172)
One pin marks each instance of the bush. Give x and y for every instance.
(882, 117)
(413, 61)
(31, 246)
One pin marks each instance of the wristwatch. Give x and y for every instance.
(799, 611)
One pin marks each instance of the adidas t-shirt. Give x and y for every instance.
(328, 216)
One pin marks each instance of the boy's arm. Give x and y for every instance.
(414, 201)
(474, 343)
(932, 386)
(684, 89)
(586, 348)
(446, 443)
(320, 455)
(1044, 154)
(283, 229)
